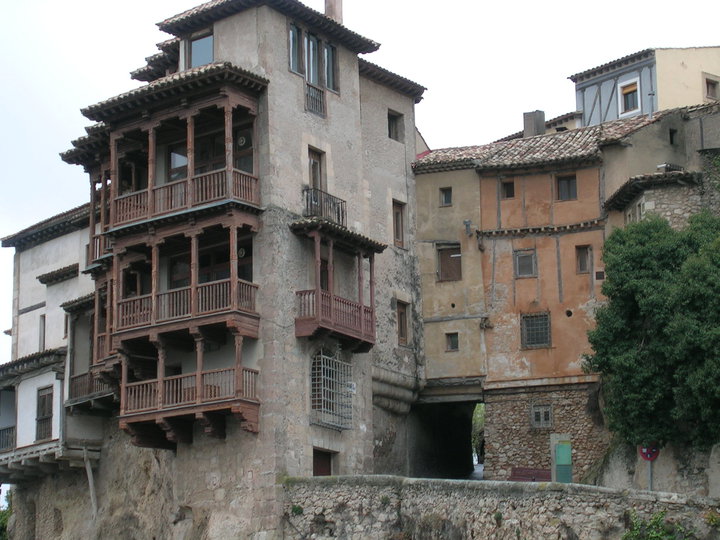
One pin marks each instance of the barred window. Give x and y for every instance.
(535, 328)
(541, 416)
(331, 391)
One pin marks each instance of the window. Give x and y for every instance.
(451, 342)
(582, 258)
(508, 190)
(399, 223)
(402, 322)
(566, 188)
(331, 391)
(672, 133)
(525, 263)
(322, 462)
(294, 43)
(330, 61)
(711, 89)
(44, 413)
(541, 416)
(535, 329)
(324, 275)
(210, 153)
(446, 196)
(628, 97)
(243, 151)
(201, 51)
(177, 162)
(315, 164)
(41, 333)
(395, 126)
(312, 59)
(449, 263)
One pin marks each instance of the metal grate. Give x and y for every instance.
(536, 330)
(331, 391)
(541, 416)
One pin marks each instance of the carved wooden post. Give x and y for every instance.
(114, 178)
(372, 291)
(331, 289)
(154, 278)
(189, 185)
(152, 150)
(360, 292)
(200, 358)
(96, 327)
(194, 256)
(318, 271)
(162, 354)
(239, 386)
(123, 383)
(93, 209)
(229, 150)
(234, 285)
(103, 205)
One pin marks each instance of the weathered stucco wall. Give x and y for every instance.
(393, 507)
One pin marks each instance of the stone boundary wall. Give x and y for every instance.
(391, 507)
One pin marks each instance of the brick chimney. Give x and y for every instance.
(533, 123)
(333, 9)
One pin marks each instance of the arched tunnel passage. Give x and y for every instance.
(441, 445)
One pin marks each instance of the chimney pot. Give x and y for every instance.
(533, 123)
(333, 9)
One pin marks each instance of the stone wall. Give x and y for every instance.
(511, 441)
(404, 508)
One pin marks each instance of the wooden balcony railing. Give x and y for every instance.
(86, 384)
(315, 99)
(337, 314)
(211, 297)
(44, 428)
(321, 204)
(181, 390)
(183, 194)
(7, 438)
(101, 350)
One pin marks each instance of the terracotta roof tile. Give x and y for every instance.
(637, 184)
(612, 65)
(49, 228)
(390, 79)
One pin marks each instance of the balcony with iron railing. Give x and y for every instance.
(339, 316)
(320, 204)
(200, 190)
(314, 99)
(186, 302)
(7, 439)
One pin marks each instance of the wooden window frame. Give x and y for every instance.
(449, 345)
(195, 38)
(446, 196)
(517, 254)
(395, 126)
(316, 162)
(504, 189)
(45, 396)
(627, 88)
(571, 179)
(583, 253)
(447, 274)
(399, 224)
(300, 53)
(403, 331)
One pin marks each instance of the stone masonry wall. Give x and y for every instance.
(510, 441)
(403, 508)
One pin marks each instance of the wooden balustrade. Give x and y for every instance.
(86, 384)
(214, 296)
(131, 207)
(246, 295)
(135, 311)
(169, 197)
(101, 347)
(180, 390)
(200, 189)
(7, 438)
(306, 303)
(337, 314)
(173, 304)
(97, 248)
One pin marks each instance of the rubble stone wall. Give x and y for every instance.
(400, 508)
(511, 441)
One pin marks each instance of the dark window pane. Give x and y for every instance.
(508, 190)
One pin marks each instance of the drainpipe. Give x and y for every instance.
(91, 482)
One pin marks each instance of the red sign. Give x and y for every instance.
(649, 452)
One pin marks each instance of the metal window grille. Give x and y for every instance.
(44, 413)
(535, 329)
(541, 416)
(331, 391)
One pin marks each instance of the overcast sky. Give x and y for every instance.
(484, 63)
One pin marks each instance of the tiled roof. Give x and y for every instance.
(49, 228)
(31, 362)
(159, 63)
(174, 85)
(391, 80)
(76, 304)
(61, 274)
(548, 124)
(345, 237)
(637, 184)
(86, 149)
(572, 146)
(205, 14)
(613, 65)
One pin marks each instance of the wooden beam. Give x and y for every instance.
(213, 424)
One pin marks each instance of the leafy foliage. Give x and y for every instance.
(656, 528)
(657, 341)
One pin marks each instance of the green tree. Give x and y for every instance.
(657, 340)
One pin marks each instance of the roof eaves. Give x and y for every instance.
(612, 65)
(391, 80)
(49, 228)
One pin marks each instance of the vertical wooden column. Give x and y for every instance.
(162, 356)
(152, 156)
(114, 177)
(190, 161)
(361, 286)
(229, 150)
(239, 385)
(234, 285)
(318, 266)
(123, 383)
(96, 327)
(154, 281)
(109, 319)
(200, 359)
(93, 204)
(331, 289)
(372, 290)
(194, 267)
(116, 286)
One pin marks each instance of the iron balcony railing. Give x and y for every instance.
(318, 203)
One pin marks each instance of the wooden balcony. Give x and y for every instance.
(186, 302)
(339, 316)
(321, 204)
(86, 385)
(198, 191)
(7, 439)
(97, 248)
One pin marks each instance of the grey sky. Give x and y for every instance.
(484, 64)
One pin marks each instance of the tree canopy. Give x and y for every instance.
(657, 340)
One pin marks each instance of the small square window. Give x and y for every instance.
(399, 223)
(446, 196)
(541, 416)
(402, 322)
(395, 126)
(711, 89)
(451, 342)
(628, 97)
(566, 188)
(508, 190)
(449, 264)
(535, 330)
(525, 263)
(582, 258)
